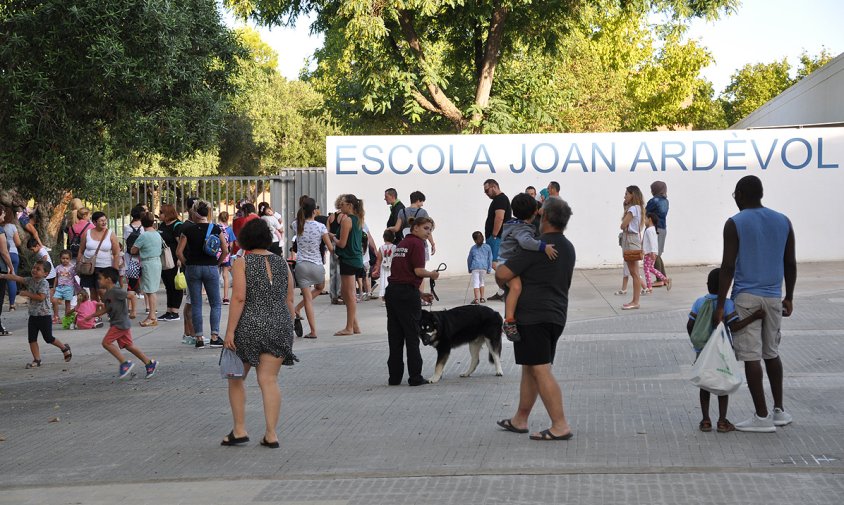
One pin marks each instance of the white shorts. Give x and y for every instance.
(478, 278)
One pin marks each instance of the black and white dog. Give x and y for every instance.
(467, 324)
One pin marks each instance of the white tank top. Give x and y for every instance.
(104, 256)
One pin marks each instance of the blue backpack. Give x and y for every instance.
(212, 243)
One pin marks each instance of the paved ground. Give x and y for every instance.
(347, 438)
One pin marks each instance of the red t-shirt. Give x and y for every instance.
(238, 225)
(409, 255)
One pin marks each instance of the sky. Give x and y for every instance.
(761, 31)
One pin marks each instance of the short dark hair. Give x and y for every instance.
(110, 273)
(491, 182)
(248, 208)
(65, 252)
(136, 212)
(523, 206)
(44, 266)
(389, 236)
(189, 202)
(654, 218)
(713, 282)
(557, 212)
(476, 235)
(147, 219)
(255, 234)
(31, 243)
(96, 216)
(417, 196)
(555, 185)
(529, 188)
(750, 187)
(392, 192)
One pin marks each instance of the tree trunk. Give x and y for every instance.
(53, 208)
(490, 60)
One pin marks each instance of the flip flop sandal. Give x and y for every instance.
(705, 426)
(620, 293)
(67, 354)
(310, 335)
(33, 364)
(507, 424)
(271, 445)
(483, 300)
(233, 440)
(475, 301)
(547, 435)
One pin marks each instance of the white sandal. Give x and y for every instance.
(620, 293)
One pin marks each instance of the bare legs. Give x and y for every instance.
(308, 295)
(267, 372)
(539, 381)
(633, 267)
(753, 372)
(347, 291)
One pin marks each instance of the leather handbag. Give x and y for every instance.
(167, 262)
(86, 266)
(632, 254)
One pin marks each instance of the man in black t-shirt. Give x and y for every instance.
(392, 199)
(542, 313)
(499, 211)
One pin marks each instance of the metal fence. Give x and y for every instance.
(281, 191)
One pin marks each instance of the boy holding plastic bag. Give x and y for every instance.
(700, 328)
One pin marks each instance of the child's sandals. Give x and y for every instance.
(475, 301)
(67, 354)
(620, 292)
(705, 425)
(482, 300)
(33, 364)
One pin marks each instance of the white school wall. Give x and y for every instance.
(803, 177)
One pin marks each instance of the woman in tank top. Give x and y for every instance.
(108, 255)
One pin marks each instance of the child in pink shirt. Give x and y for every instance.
(85, 308)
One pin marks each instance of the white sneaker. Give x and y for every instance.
(758, 424)
(781, 417)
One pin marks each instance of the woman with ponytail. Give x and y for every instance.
(310, 272)
(350, 255)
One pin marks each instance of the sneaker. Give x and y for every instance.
(189, 340)
(151, 367)
(174, 316)
(125, 368)
(216, 343)
(511, 332)
(781, 417)
(199, 343)
(225, 301)
(758, 424)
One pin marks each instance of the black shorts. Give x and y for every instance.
(43, 324)
(538, 344)
(350, 270)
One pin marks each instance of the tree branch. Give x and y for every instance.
(490, 60)
(438, 99)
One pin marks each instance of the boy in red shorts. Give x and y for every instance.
(120, 307)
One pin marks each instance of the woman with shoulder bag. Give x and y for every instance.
(631, 241)
(99, 249)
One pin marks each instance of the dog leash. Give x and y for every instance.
(441, 268)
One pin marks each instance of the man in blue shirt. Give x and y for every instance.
(758, 256)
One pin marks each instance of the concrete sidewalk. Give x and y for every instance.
(348, 438)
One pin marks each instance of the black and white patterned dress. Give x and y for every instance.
(265, 326)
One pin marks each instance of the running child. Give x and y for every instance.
(41, 254)
(384, 263)
(700, 323)
(650, 245)
(119, 304)
(65, 284)
(480, 264)
(40, 310)
(519, 234)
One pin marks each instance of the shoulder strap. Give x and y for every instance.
(208, 232)
(101, 242)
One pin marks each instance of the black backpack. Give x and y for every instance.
(130, 240)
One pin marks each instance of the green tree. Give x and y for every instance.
(438, 58)
(87, 85)
(752, 86)
(273, 123)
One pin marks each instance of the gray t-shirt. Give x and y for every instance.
(545, 282)
(39, 287)
(118, 308)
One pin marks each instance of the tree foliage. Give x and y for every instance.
(87, 84)
(435, 61)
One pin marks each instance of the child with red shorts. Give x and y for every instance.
(119, 304)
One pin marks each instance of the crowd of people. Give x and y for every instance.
(523, 242)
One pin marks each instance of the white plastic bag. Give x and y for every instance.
(231, 367)
(716, 369)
